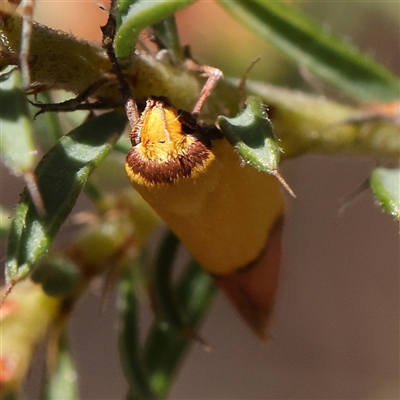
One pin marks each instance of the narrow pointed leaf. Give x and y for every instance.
(140, 15)
(323, 54)
(385, 184)
(129, 341)
(61, 175)
(164, 295)
(164, 348)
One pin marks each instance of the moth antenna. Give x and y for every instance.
(242, 83)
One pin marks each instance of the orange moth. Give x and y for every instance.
(227, 214)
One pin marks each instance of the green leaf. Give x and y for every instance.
(122, 9)
(141, 14)
(252, 136)
(150, 370)
(61, 175)
(165, 302)
(129, 341)
(164, 348)
(313, 48)
(62, 382)
(306, 123)
(167, 30)
(385, 184)
(48, 123)
(58, 276)
(17, 146)
(5, 222)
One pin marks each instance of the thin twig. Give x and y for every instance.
(108, 44)
(26, 33)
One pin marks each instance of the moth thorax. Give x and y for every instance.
(171, 146)
(161, 134)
